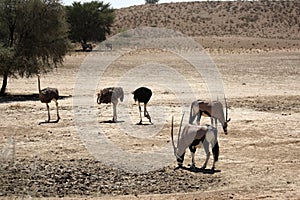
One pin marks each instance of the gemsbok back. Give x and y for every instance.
(192, 137)
(212, 109)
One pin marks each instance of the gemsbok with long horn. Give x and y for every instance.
(212, 109)
(192, 137)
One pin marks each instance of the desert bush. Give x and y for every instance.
(151, 1)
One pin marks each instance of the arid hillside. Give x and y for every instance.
(260, 19)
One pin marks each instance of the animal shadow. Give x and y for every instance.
(110, 122)
(24, 97)
(198, 170)
(142, 124)
(48, 122)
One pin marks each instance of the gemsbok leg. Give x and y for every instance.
(206, 149)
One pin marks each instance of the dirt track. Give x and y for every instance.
(260, 157)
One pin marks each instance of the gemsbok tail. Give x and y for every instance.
(215, 151)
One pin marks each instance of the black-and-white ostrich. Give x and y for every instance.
(142, 95)
(111, 95)
(47, 95)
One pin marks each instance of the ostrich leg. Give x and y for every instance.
(140, 109)
(58, 117)
(146, 114)
(48, 112)
(114, 112)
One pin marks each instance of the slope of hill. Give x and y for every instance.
(260, 19)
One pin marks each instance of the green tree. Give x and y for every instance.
(89, 21)
(33, 37)
(151, 1)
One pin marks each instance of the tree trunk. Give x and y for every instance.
(4, 84)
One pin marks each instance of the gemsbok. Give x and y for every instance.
(192, 137)
(212, 109)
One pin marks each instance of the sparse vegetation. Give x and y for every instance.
(151, 1)
(89, 21)
(263, 19)
(33, 37)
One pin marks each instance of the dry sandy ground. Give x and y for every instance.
(259, 158)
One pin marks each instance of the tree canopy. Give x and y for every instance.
(33, 37)
(89, 21)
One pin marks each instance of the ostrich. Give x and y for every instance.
(142, 95)
(111, 95)
(47, 95)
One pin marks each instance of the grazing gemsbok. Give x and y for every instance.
(142, 95)
(111, 95)
(212, 109)
(193, 136)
